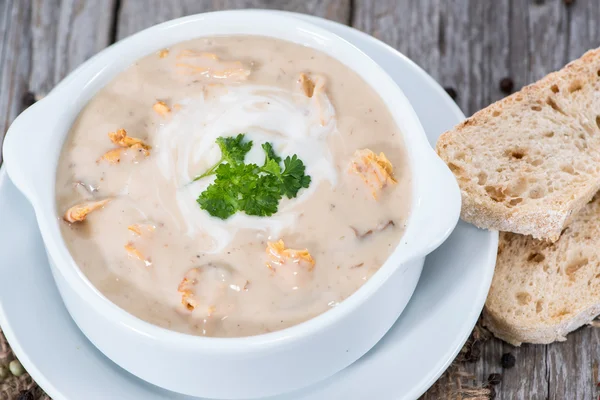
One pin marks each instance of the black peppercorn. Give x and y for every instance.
(508, 360)
(507, 85)
(27, 100)
(451, 92)
(25, 395)
(494, 379)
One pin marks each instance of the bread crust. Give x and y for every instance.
(545, 222)
(517, 335)
(541, 291)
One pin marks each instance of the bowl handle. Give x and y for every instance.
(25, 148)
(438, 211)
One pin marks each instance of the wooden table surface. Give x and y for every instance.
(466, 45)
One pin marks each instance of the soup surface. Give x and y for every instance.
(256, 243)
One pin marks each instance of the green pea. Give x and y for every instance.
(16, 368)
(3, 372)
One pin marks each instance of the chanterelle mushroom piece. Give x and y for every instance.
(314, 89)
(292, 269)
(133, 251)
(279, 255)
(311, 87)
(375, 170)
(79, 212)
(211, 286)
(161, 108)
(139, 229)
(112, 156)
(120, 138)
(210, 66)
(306, 84)
(141, 148)
(186, 288)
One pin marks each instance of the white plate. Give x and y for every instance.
(413, 354)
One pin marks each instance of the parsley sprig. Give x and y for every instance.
(253, 189)
(233, 150)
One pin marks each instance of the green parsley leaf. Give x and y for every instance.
(270, 153)
(222, 198)
(263, 199)
(218, 201)
(234, 149)
(272, 167)
(247, 187)
(293, 176)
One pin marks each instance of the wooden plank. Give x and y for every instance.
(547, 35)
(472, 45)
(445, 38)
(135, 15)
(470, 379)
(15, 60)
(584, 30)
(42, 41)
(594, 350)
(496, 33)
(518, 46)
(65, 34)
(527, 379)
(412, 27)
(570, 367)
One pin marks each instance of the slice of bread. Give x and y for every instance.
(541, 291)
(529, 162)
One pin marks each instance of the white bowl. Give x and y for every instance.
(245, 367)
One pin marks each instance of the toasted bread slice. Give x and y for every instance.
(529, 162)
(541, 291)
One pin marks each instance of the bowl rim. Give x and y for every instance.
(66, 265)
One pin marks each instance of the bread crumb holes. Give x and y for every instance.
(539, 306)
(523, 298)
(536, 257)
(575, 86)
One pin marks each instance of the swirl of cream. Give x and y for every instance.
(292, 122)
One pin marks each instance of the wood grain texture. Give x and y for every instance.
(135, 15)
(469, 45)
(584, 30)
(527, 379)
(43, 40)
(570, 367)
(65, 33)
(15, 59)
(594, 350)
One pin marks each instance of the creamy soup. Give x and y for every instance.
(180, 203)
